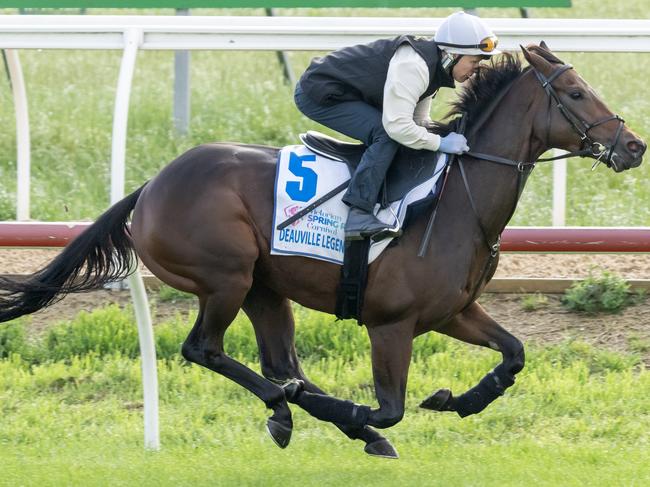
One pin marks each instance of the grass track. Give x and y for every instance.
(571, 428)
(577, 415)
(315, 463)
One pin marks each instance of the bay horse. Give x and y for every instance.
(203, 226)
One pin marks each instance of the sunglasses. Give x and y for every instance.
(488, 44)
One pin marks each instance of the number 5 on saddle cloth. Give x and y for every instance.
(309, 216)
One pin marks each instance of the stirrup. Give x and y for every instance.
(389, 232)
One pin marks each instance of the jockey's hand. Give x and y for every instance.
(453, 143)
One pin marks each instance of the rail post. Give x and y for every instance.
(132, 42)
(559, 190)
(22, 134)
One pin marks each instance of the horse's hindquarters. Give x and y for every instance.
(192, 227)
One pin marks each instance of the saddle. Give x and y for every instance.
(409, 168)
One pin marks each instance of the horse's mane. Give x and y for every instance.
(481, 89)
(486, 86)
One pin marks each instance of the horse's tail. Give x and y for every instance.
(103, 253)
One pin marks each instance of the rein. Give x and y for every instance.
(588, 148)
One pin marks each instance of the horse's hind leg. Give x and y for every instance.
(204, 346)
(475, 326)
(273, 322)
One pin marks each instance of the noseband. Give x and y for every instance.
(589, 147)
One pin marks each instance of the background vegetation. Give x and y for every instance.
(241, 96)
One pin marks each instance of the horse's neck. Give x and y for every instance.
(514, 128)
(511, 132)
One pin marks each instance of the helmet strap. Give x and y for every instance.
(449, 60)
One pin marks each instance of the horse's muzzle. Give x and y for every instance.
(637, 162)
(631, 152)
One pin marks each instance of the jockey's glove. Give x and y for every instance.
(453, 143)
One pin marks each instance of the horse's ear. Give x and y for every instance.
(537, 61)
(543, 45)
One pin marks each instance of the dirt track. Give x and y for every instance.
(633, 266)
(551, 323)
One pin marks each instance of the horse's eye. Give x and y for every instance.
(575, 95)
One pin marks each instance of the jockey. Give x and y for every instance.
(380, 93)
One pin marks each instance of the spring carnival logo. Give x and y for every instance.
(291, 210)
(322, 221)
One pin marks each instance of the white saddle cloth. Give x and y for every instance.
(302, 177)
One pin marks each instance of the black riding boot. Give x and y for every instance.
(362, 224)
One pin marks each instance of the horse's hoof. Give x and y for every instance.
(440, 401)
(381, 448)
(280, 434)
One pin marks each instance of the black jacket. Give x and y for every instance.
(359, 72)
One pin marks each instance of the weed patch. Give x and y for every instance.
(604, 293)
(533, 302)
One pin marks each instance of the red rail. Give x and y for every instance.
(576, 239)
(515, 239)
(39, 234)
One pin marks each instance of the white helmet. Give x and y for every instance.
(462, 33)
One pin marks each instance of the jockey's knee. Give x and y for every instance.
(378, 135)
(383, 139)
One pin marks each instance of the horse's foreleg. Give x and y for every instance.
(391, 355)
(204, 346)
(376, 444)
(391, 347)
(475, 326)
(274, 328)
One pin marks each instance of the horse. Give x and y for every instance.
(203, 225)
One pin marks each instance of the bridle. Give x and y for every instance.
(588, 147)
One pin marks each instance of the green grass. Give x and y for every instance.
(255, 461)
(242, 97)
(576, 415)
(168, 294)
(533, 302)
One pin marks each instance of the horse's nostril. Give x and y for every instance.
(636, 147)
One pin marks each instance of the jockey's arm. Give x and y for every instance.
(403, 113)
